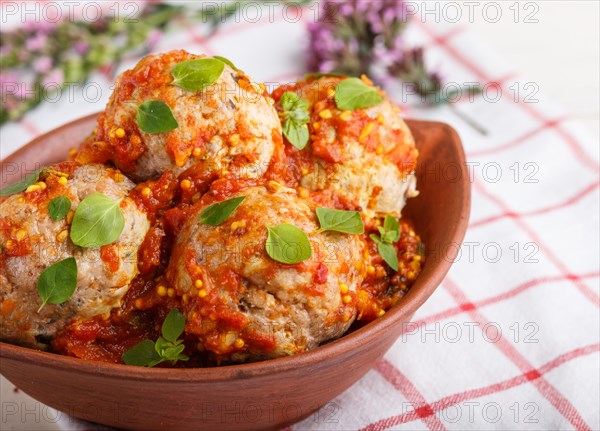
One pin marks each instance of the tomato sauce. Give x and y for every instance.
(215, 331)
(383, 287)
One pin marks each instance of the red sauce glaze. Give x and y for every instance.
(175, 218)
(152, 79)
(155, 196)
(383, 287)
(125, 150)
(212, 325)
(107, 338)
(149, 253)
(320, 276)
(102, 339)
(352, 125)
(19, 241)
(110, 255)
(13, 246)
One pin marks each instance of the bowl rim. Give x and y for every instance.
(404, 309)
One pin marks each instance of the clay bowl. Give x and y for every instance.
(264, 395)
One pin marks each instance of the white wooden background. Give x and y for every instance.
(561, 53)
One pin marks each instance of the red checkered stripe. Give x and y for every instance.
(387, 370)
(423, 410)
(566, 203)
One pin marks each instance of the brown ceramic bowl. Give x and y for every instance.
(263, 395)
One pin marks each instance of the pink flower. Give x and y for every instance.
(351, 35)
(54, 79)
(8, 78)
(37, 42)
(24, 91)
(154, 37)
(39, 26)
(42, 64)
(81, 47)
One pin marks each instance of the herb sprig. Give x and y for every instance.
(340, 221)
(217, 213)
(167, 348)
(288, 244)
(57, 283)
(353, 93)
(196, 75)
(98, 221)
(155, 116)
(296, 116)
(21, 185)
(389, 234)
(227, 61)
(59, 207)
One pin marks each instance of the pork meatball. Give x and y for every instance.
(242, 304)
(229, 126)
(32, 241)
(366, 156)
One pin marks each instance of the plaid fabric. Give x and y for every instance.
(511, 338)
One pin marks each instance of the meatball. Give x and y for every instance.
(228, 126)
(242, 304)
(366, 156)
(31, 241)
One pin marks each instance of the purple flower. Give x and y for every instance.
(24, 90)
(42, 64)
(411, 69)
(37, 42)
(351, 35)
(8, 78)
(39, 26)
(54, 79)
(153, 37)
(81, 47)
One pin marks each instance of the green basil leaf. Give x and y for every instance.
(375, 238)
(288, 244)
(160, 346)
(98, 221)
(391, 236)
(296, 114)
(226, 61)
(217, 213)
(288, 101)
(155, 116)
(58, 282)
(195, 75)
(181, 357)
(295, 107)
(142, 355)
(353, 93)
(391, 228)
(172, 353)
(340, 220)
(391, 223)
(173, 325)
(296, 134)
(21, 185)
(167, 348)
(59, 207)
(388, 253)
